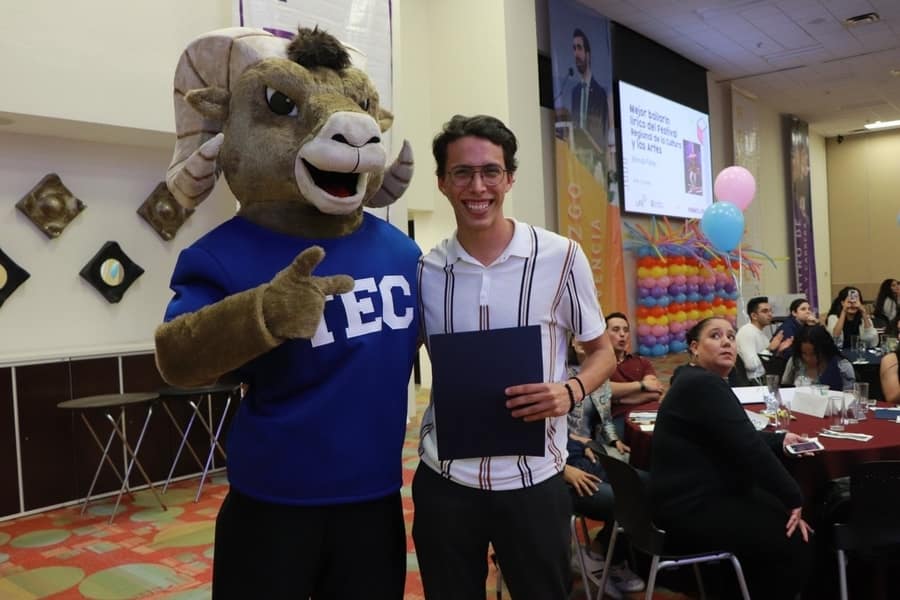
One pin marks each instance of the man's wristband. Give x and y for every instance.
(581, 385)
(571, 397)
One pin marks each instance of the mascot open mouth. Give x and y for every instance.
(339, 185)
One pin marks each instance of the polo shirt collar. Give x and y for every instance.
(520, 245)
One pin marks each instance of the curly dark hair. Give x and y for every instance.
(316, 48)
(481, 126)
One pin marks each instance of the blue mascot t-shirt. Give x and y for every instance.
(323, 420)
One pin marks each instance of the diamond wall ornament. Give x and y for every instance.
(163, 212)
(50, 205)
(111, 272)
(11, 277)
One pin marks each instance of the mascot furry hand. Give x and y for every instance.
(296, 130)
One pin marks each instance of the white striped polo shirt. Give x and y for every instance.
(541, 278)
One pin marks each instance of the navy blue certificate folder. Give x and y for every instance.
(470, 370)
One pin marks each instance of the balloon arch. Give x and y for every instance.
(681, 279)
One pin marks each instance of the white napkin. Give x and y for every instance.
(846, 435)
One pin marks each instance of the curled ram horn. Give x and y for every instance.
(396, 179)
(215, 59)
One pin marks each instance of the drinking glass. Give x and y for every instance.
(851, 403)
(802, 381)
(838, 407)
(784, 415)
(773, 382)
(862, 394)
(854, 343)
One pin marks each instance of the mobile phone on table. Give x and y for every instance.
(810, 445)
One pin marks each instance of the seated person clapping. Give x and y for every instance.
(801, 314)
(816, 359)
(717, 483)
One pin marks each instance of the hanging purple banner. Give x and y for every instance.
(804, 251)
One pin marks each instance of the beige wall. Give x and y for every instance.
(863, 184)
(103, 62)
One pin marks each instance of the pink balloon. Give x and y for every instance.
(679, 279)
(643, 330)
(676, 327)
(693, 279)
(664, 281)
(659, 330)
(647, 282)
(735, 185)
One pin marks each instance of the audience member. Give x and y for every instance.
(592, 497)
(801, 314)
(493, 273)
(848, 319)
(886, 303)
(634, 381)
(816, 359)
(595, 419)
(890, 377)
(752, 341)
(717, 483)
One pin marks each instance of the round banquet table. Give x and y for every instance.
(811, 472)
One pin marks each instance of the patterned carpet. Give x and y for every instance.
(150, 553)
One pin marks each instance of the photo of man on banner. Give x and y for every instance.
(582, 81)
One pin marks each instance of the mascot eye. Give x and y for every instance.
(280, 104)
(364, 104)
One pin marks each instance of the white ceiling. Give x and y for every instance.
(797, 56)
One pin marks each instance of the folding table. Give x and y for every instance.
(109, 403)
(194, 397)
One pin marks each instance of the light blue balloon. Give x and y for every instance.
(645, 350)
(723, 226)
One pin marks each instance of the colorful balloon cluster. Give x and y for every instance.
(723, 221)
(676, 291)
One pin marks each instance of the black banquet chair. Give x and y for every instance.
(873, 527)
(634, 515)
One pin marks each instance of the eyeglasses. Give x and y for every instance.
(491, 175)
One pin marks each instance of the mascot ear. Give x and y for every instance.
(385, 118)
(211, 102)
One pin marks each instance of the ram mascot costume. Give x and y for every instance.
(308, 300)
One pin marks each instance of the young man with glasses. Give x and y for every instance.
(496, 273)
(751, 341)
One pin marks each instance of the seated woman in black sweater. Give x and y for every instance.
(717, 483)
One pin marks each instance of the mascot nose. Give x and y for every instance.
(351, 128)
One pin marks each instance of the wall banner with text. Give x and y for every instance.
(586, 178)
(804, 250)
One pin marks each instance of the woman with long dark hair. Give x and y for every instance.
(817, 359)
(848, 318)
(886, 304)
(717, 483)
